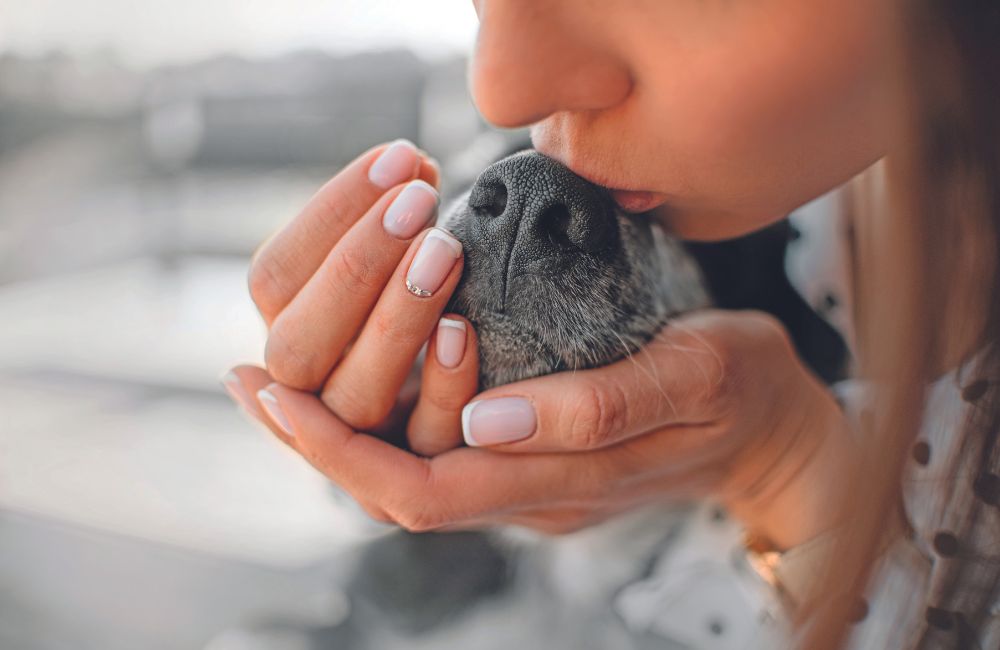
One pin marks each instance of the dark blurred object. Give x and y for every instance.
(417, 582)
(302, 108)
(305, 108)
(749, 273)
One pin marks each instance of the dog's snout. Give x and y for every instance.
(532, 202)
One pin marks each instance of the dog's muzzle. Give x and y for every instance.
(532, 215)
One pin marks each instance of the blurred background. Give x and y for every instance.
(146, 148)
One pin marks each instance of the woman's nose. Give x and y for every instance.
(533, 59)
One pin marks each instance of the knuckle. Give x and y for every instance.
(358, 409)
(288, 364)
(392, 329)
(414, 523)
(418, 519)
(719, 374)
(340, 201)
(422, 509)
(354, 268)
(364, 420)
(598, 414)
(720, 396)
(448, 401)
(266, 290)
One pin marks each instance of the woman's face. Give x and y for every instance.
(721, 115)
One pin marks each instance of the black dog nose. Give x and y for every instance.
(535, 206)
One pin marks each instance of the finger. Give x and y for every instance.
(364, 384)
(311, 333)
(253, 381)
(450, 379)
(393, 428)
(689, 374)
(286, 261)
(243, 383)
(423, 494)
(660, 468)
(429, 170)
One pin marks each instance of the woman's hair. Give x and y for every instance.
(927, 299)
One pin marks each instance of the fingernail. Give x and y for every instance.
(273, 409)
(433, 262)
(450, 344)
(411, 211)
(493, 421)
(395, 165)
(232, 384)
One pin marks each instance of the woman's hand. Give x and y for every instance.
(717, 405)
(354, 286)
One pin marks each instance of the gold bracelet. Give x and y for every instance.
(792, 571)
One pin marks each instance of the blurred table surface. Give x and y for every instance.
(133, 495)
(113, 416)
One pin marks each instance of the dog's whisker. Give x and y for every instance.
(654, 375)
(669, 345)
(629, 355)
(708, 347)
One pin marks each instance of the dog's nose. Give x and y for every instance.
(530, 207)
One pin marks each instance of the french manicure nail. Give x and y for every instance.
(433, 262)
(395, 165)
(273, 409)
(450, 343)
(411, 211)
(493, 421)
(232, 384)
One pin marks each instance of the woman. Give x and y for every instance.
(719, 118)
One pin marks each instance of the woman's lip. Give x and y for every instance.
(636, 202)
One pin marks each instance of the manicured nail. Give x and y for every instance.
(450, 343)
(411, 211)
(395, 165)
(236, 390)
(493, 421)
(273, 409)
(433, 262)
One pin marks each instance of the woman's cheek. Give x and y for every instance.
(764, 125)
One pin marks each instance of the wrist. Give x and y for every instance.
(800, 498)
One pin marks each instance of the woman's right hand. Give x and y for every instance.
(354, 286)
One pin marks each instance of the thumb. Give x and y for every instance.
(680, 377)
